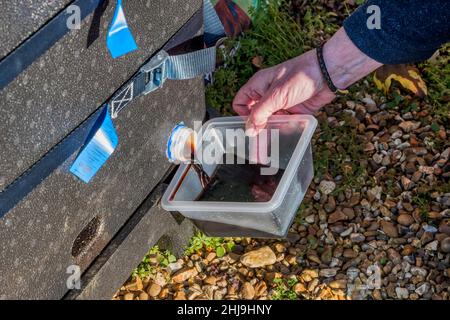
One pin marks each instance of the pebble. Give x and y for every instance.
(336, 216)
(429, 229)
(389, 229)
(247, 291)
(143, 296)
(128, 296)
(211, 280)
(432, 246)
(299, 288)
(153, 290)
(309, 274)
(408, 126)
(279, 247)
(260, 288)
(350, 253)
(210, 256)
(184, 274)
(180, 295)
(338, 284)
(402, 293)
(405, 220)
(406, 183)
(331, 272)
(135, 285)
(259, 258)
(357, 238)
(175, 266)
(445, 245)
(374, 193)
(346, 233)
(326, 187)
(423, 289)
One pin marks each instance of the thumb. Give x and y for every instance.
(273, 100)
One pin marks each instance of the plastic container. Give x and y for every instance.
(258, 219)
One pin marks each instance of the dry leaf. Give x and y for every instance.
(407, 75)
(258, 62)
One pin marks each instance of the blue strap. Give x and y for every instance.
(103, 138)
(98, 147)
(36, 46)
(120, 40)
(30, 179)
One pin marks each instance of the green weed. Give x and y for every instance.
(284, 289)
(147, 267)
(200, 242)
(436, 74)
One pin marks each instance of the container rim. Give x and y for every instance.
(242, 207)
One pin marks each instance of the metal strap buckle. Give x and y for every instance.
(155, 72)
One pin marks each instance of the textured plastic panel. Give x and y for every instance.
(64, 86)
(64, 221)
(37, 236)
(20, 18)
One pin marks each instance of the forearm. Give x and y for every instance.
(346, 64)
(407, 31)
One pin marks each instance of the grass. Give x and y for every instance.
(422, 197)
(436, 74)
(274, 37)
(345, 159)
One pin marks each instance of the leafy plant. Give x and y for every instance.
(284, 289)
(201, 242)
(147, 267)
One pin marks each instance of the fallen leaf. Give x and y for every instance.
(408, 76)
(257, 62)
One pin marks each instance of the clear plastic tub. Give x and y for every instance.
(269, 219)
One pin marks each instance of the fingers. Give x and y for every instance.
(274, 100)
(251, 92)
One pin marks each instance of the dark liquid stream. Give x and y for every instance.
(237, 183)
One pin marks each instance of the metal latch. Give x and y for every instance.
(155, 72)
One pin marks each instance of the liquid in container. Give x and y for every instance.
(282, 150)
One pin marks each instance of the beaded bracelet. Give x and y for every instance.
(326, 75)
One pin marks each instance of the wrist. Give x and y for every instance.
(345, 63)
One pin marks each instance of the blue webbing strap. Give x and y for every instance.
(178, 67)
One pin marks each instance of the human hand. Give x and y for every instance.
(294, 86)
(297, 85)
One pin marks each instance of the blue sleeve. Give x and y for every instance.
(409, 30)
